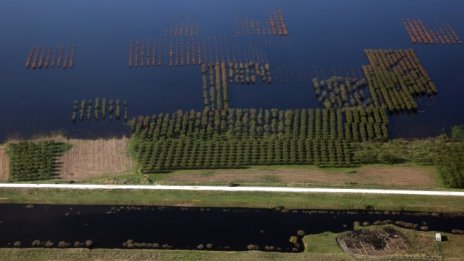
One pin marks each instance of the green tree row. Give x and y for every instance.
(99, 108)
(215, 86)
(394, 77)
(247, 73)
(34, 160)
(191, 153)
(340, 92)
(352, 124)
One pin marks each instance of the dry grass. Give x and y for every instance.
(372, 175)
(3, 165)
(164, 255)
(91, 158)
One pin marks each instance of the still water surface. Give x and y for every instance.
(326, 36)
(186, 228)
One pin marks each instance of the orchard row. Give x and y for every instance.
(190, 153)
(353, 124)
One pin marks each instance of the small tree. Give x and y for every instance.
(451, 167)
(457, 133)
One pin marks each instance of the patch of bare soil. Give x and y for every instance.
(399, 176)
(3, 165)
(92, 158)
(378, 242)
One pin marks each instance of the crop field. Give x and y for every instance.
(34, 160)
(395, 76)
(236, 138)
(90, 158)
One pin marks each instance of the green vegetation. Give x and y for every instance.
(323, 243)
(188, 153)
(341, 92)
(451, 166)
(101, 108)
(423, 151)
(394, 77)
(34, 160)
(236, 138)
(457, 133)
(247, 73)
(215, 86)
(446, 154)
(351, 125)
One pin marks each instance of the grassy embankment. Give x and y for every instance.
(410, 171)
(234, 199)
(370, 176)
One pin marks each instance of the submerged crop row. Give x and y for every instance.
(421, 34)
(248, 72)
(51, 57)
(143, 54)
(229, 49)
(394, 77)
(274, 25)
(34, 160)
(215, 86)
(181, 51)
(341, 92)
(351, 125)
(184, 29)
(99, 109)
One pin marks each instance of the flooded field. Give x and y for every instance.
(147, 57)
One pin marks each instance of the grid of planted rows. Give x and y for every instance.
(351, 124)
(394, 77)
(190, 153)
(243, 137)
(33, 160)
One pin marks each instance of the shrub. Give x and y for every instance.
(451, 167)
(252, 247)
(89, 243)
(457, 133)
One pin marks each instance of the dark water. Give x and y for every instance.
(324, 34)
(186, 228)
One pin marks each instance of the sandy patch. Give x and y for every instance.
(92, 158)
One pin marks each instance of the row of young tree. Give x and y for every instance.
(99, 109)
(394, 77)
(191, 153)
(34, 160)
(248, 73)
(341, 92)
(352, 124)
(215, 86)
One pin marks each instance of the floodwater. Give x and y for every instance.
(325, 36)
(187, 228)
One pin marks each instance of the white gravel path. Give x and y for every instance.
(236, 189)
